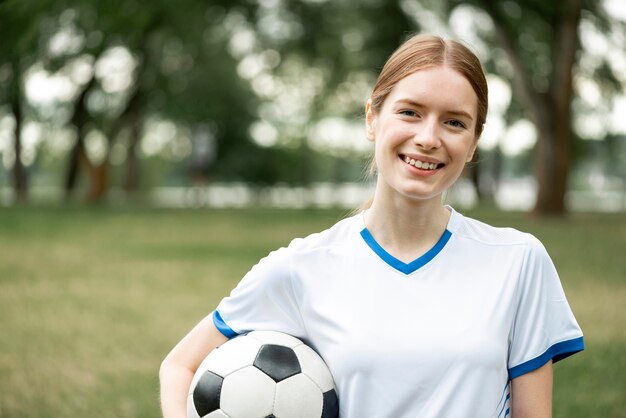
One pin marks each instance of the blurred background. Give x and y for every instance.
(152, 151)
(232, 103)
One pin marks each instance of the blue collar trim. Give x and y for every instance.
(399, 265)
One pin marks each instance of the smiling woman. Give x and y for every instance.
(417, 310)
(428, 119)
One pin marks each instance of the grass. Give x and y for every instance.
(91, 299)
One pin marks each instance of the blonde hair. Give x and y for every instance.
(426, 51)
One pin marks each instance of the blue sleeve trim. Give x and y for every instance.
(222, 326)
(557, 352)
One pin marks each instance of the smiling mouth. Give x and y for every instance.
(424, 165)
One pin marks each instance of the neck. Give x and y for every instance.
(406, 228)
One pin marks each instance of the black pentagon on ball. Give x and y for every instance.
(331, 405)
(206, 394)
(277, 361)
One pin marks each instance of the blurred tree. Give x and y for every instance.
(20, 179)
(18, 50)
(541, 41)
(329, 50)
(225, 67)
(179, 69)
(171, 78)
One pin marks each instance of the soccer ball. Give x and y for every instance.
(262, 374)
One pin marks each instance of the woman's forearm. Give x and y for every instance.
(175, 381)
(181, 363)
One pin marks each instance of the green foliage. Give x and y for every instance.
(187, 70)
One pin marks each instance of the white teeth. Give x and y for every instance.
(420, 164)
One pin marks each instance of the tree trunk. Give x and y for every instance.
(554, 150)
(20, 180)
(78, 155)
(71, 172)
(553, 161)
(129, 117)
(130, 175)
(550, 112)
(99, 181)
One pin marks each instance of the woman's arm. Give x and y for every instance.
(181, 363)
(531, 394)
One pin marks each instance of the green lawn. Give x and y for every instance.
(91, 300)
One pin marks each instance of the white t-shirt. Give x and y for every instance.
(439, 337)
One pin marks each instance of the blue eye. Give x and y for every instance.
(410, 113)
(456, 123)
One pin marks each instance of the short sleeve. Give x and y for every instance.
(263, 300)
(544, 327)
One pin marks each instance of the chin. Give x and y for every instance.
(421, 196)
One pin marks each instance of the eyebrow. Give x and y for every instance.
(451, 112)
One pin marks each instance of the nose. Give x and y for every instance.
(427, 134)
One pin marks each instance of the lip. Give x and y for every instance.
(420, 158)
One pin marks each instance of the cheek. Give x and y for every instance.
(383, 155)
(394, 132)
(379, 151)
(464, 149)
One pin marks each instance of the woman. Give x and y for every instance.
(417, 310)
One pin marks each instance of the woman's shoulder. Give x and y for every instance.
(340, 233)
(482, 232)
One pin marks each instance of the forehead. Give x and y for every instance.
(440, 87)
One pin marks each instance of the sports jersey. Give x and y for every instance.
(441, 336)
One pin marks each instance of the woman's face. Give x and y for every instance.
(424, 133)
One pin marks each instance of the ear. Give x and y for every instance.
(370, 120)
(471, 152)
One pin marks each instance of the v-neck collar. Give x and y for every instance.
(408, 268)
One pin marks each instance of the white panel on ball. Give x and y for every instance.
(278, 338)
(313, 366)
(247, 393)
(241, 352)
(310, 399)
